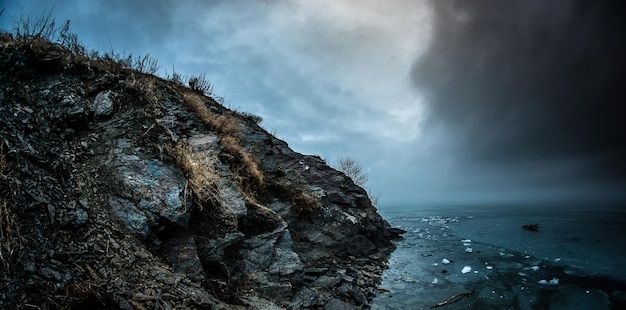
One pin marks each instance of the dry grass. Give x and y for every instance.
(200, 173)
(249, 163)
(9, 232)
(228, 128)
(223, 124)
(145, 86)
(303, 202)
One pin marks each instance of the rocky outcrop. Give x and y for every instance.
(122, 190)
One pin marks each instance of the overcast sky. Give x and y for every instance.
(439, 101)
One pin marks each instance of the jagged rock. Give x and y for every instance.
(257, 303)
(155, 193)
(182, 254)
(286, 261)
(103, 103)
(135, 221)
(336, 304)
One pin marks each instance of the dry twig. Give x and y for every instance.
(454, 297)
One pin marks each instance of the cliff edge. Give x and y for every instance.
(123, 190)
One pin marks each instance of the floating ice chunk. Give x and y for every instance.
(435, 265)
(554, 281)
(466, 241)
(466, 269)
(468, 250)
(476, 271)
(535, 268)
(467, 244)
(435, 281)
(558, 259)
(489, 267)
(445, 261)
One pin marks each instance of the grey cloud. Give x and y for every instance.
(530, 81)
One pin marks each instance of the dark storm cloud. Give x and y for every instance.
(530, 81)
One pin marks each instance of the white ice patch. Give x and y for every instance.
(554, 281)
(468, 250)
(466, 269)
(445, 261)
(435, 281)
(350, 218)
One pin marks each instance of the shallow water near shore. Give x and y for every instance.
(481, 256)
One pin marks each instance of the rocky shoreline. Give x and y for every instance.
(124, 190)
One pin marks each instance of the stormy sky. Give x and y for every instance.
(439, 101)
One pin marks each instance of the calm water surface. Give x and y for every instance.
(589, 239)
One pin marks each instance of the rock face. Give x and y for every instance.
(122, 190)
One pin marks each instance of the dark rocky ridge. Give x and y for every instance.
(98, 212)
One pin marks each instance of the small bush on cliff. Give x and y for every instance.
(252, 117)
(353, 170)
(201, 85)
(31, 27)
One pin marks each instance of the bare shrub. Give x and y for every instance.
(30, 27)
(146, 64)
(201, 85)
(351, 168)
(252, 117)
(221, 100)
(69, 40)
(176, 77)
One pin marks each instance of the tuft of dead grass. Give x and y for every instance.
(249, 163)
(228, 129)
(200, 172)
(303, 202)
(145, 86)
(223, 124)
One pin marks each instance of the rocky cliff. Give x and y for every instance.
(123, 190)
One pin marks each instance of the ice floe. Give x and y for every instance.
(554, 281)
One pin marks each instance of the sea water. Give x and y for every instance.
(480, 257)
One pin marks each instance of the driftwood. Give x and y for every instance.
(454, 297)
